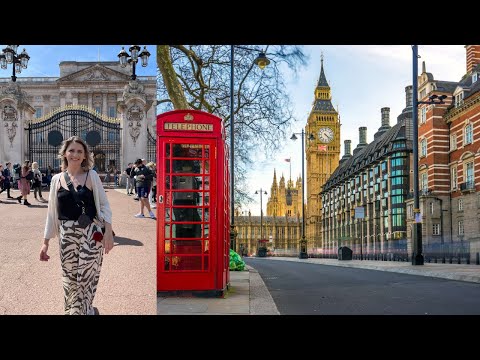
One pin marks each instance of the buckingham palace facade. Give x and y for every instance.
(97, 101)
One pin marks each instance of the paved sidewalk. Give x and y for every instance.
(248, 294)
(29, 286)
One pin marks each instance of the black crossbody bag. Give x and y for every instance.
(83, 220)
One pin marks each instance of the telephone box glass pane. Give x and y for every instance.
(187, 151)
(186, 166)
(187, 207)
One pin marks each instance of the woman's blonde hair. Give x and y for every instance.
(87, 163)
(35, 165)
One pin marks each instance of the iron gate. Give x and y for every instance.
(151, 147)
(101, 133)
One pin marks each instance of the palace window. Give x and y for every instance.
(424, 181)
(436, 229)
(453, 142)
(423, 147)
(423, 115)
(454, 178)
(460, 204)
(461, 230)
(431, 208)
(469, 175)
(468, 134)
(474, 77)
(112, 111)
(38, 111)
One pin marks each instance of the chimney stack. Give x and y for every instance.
(348, 145)
(385, 116)
(409, 95)
(473, 56)
(347, 155)
(363, 135)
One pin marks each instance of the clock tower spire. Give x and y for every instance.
(322, 154)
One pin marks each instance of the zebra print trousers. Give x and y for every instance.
(81, 259)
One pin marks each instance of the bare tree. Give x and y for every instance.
(198, 77)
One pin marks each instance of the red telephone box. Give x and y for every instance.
(193, 202)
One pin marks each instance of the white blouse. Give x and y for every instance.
(104, 212)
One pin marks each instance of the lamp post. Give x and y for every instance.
(303, 243)
(261, 210)
(261, 61)
(417, 256)
(132, 59)
(9, 56)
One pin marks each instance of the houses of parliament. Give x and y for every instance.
(282, 225)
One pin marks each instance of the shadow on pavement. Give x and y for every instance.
(118, 240)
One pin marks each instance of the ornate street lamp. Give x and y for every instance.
(303, 243)
(417, 256)
(261, 211)
(132, 59)
(9, 56)
(261, 61)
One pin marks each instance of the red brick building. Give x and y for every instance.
(449, 164)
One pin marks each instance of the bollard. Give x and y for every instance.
(477, 259)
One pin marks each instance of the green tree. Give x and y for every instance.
(198, 77)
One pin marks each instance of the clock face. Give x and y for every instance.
(325, 134)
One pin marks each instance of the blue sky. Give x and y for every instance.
(45, 59)
(363, 79)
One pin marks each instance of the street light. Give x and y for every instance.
(303, 243)
(132, 59)
(9, 56)
(417, 256)
(261, 61)
(261, 211)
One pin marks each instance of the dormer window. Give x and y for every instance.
(474, 77)
(459, 99)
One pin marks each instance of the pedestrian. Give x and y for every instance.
(37, 182)
(79, 214)
(49, 175)
(144, 178)
(7, 181)
(129, 180)
(26, 175)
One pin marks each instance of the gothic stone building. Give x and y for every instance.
(97, 101)
(449, 164)
(285, 200)
(322, 151)
(283, 233)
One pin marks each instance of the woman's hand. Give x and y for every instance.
(43, 253)
(108, 240)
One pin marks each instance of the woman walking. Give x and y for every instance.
(24, 183)
(37, 182)
(78, 213)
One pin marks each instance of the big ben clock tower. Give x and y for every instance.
(322, 154)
